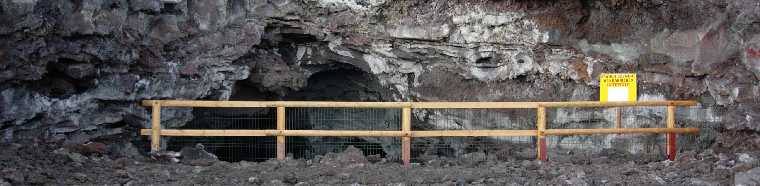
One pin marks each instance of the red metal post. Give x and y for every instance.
(406, 141)
(671, 122)
(542, 146)
(671, 146)
(541, 126)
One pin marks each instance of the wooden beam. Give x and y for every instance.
(619, 103)
(566, 132)
(344, 133)
(671, 123)
(280, 133)
(438, 133)
(262, 104)
(313, 133)
(435, 133)
(155, 124)
(211, 132)
(476, 105)
(318, 104)
(541, 127)
(472, 133)
(406, 141)
(341, 133)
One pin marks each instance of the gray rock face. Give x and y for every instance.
(750, 177)
(76, 70)
(197, 156)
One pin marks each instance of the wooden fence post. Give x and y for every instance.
(155, 123)
(541, 125)
(406, 140)
(671, 122)
(280, 133)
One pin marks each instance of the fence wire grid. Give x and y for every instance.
(424, 149)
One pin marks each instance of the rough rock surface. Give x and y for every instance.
(751, 177)
(75, 71)
(33, 165)
(197, 156)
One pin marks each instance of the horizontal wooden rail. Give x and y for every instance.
(264, 104)
(406, 133)
(344, 133)
(434, 133)
(619, 103)
(211, 132)
(476, 105)
(473, 133)
(321, 133)
(462, 105)
(565, 132)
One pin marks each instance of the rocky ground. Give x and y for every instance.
(72, 72)
(49, 165)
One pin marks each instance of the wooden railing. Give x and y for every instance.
(155, 132)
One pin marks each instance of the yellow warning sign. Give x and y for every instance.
(617, 87)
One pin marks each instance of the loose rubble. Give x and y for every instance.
(23, 165)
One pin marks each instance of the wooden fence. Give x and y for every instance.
(406, 134)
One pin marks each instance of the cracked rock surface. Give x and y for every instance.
(75, 71)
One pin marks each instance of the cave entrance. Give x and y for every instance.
(343, 84)
(230, 149)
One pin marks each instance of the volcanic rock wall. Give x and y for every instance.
(74, 70)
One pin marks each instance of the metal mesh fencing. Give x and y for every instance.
(590, 118)
(230, 149)
(427, 149)
(642, 146)
(226, 148)
(708, 119)
(473, 148)
(650, 147)
(342, 119)
(362, 119)
(374, 148)
(473, 119)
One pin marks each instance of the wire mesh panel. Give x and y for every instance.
(343, 119)
(473, 148)
(590, 118)
(362, 119)
(374, 148)
(636, 146)
(650, 147)
(423, 149)
(474, 119)
(707, 119)
(232, 118)
(226, 148)
(230, 149)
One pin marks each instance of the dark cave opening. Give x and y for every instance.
(487, 62)
(484, 60)
(343, 84)
(340, 85)
(65, 78)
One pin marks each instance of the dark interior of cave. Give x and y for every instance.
(343, 84)
(65, 78)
